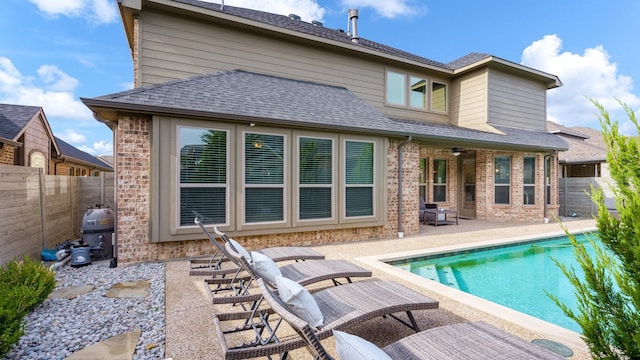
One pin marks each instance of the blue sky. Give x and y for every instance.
(54, 52)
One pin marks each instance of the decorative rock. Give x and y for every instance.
(60, 327)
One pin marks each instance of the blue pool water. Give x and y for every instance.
(513, 276)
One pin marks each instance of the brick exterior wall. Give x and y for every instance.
(133, 203)
(7, 154)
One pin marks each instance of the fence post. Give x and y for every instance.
(41, 181)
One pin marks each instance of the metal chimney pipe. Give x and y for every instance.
(353, 20)
(221, 5)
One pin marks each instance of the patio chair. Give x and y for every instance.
(341, 307)
(214, 265)
(239, 288)
(470, 340)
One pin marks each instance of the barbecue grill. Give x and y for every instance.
(97, 231)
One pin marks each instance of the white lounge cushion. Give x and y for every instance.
(352, 347)
(265, 267)
(241, 250)
(299, 301)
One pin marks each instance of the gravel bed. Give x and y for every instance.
(59, 327)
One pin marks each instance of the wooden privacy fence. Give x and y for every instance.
(575, 195)
(38, 211)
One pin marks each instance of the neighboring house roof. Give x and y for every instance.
(252, 97)
(338, 37)
(73, 154)
(107, 158)
(585, 144)
(14, 120)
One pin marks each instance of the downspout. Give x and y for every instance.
(400, 146)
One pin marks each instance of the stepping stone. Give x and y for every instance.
(119, 347)
(129, 289)
(71, 292)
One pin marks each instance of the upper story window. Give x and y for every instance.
(415, 92)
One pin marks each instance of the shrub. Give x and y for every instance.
(24, 285)
(609, 296)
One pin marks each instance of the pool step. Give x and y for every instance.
(447, 277)
(429, 271)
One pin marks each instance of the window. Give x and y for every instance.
(439, 180)
(529, 180)
(438, 96)
(315, 178)
(396, 87)
(359, 178)
(547, 180)
(264, 175)
(252, 180)
(422, 181)
(71, 171)
(412, 91)
(203, 179)
(418, 92)
(502, 166)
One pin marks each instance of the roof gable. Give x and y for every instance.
(14, 118)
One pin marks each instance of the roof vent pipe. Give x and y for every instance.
(221, 5)
(353, 25)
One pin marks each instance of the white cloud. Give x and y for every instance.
(95, 11)
(73, 137)
(389, 8)
(52, 89)
(307, 9)
(57, 80)
(102, 147)
(591, 74)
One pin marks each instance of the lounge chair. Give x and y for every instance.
(214, 265)
(239, 288)
(471, 340)
(341, 307)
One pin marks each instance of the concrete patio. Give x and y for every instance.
(189, 314)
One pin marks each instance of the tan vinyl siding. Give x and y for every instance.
(174, 47)
(471, 100)
(516, 101)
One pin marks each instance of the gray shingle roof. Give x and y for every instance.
(13, 118)
(585, 144)
(304, 27)
(68, 150)
(252, 97)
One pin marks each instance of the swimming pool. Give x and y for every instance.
(515, 276)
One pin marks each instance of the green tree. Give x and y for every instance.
(609, 295)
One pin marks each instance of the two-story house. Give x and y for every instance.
(286, 132)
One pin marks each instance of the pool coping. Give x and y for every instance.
(551, 331)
